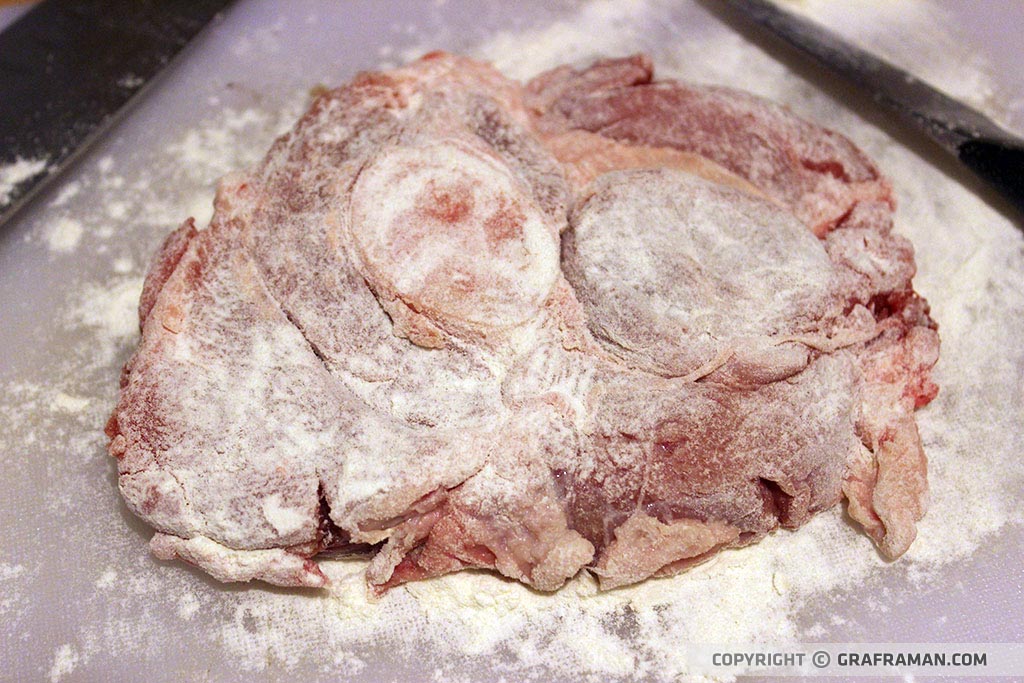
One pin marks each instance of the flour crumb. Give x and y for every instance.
(117, 210)
(188, 605)
(64, 662)
(14, 174)
(10, 571)
(107, 579)
(349, 663)
(64, 234)
(66, 194)
(130, 81)
(201, 209)
(68, 403)
(112, 182)
(122, 266)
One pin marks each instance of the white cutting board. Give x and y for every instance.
(80, 598)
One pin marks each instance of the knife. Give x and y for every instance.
(992, 153)
(67, 67)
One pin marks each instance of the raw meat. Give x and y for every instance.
(593, 322)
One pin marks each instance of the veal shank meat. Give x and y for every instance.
(596, 321)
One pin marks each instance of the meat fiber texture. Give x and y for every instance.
(596, 322)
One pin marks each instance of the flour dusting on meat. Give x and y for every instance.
(597, 321)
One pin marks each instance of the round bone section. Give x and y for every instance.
(675, 271)
(448, 229)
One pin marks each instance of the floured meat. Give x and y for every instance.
(591, 322)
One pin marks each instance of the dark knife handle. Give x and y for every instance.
(1000, 163)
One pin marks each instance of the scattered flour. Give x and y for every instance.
(110, 307)
(971, 267)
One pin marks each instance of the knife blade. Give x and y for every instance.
(67, 67)
(994, 154)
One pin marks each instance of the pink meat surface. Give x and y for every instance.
(594, 322)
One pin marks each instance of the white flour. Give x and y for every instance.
(971, 268)
(15, 173)
(11, 599)
(64, 662)
(64, 234)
